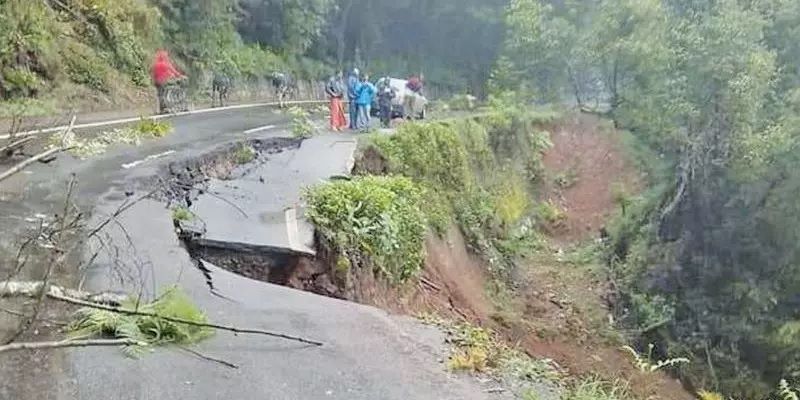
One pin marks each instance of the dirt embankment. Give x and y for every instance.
(453, 284)
(559, 310)
(587, 171)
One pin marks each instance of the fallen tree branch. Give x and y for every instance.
(126, 311)
(207, 358)
(34, 288)
(11, 147)
(69, 343)
(427, 282)
(109, 301)
(19, 167)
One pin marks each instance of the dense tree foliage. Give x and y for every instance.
(102, 44)
(710, 267)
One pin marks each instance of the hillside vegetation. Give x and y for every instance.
(70, 49)
(706, 261)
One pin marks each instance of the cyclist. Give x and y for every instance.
(164, 74)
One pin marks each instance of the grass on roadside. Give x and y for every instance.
(87, 147)
(479, 350)
(181, 213)
(244, 154)
(597, 389)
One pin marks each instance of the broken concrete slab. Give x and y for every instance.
(262, 207)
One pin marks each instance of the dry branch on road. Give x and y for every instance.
(121, 310)
(34, 288)
(69, 343)
(41, 156)
(19, 167)
(9, 148)
(103, 301)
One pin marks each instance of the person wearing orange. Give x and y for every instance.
(163, 73)
(335, 91)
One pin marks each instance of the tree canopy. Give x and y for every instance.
(711, 86)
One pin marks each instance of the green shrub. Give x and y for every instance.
(596, 389)
(301, 125)
(475, 213)
(461, 102)
(515, 135)
(648, 364)
(428, 152)
(152, 128)
(481, 190)
(85, 67)
(182, 214)
(650, 312)
(375, 221)
(28, 30)
(477, 349)
(550, 214)
(244, 154)
(121, 33)
(511, 200)
(250, 62)
(475, 138)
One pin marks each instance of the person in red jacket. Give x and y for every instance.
(163, 73)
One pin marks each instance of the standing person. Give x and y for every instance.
(385, 95)
(335, 91)
(352, 93)
(414, 86)
(163, 73)
(366, 92)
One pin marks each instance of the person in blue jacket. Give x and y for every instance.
(366, 93)
(352, 93)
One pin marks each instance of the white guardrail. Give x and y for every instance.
(159, 116)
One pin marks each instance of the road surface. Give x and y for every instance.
(367, 354)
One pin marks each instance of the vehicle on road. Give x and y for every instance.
(401, 91)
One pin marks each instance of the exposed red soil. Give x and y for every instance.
(452, 284)
(565, 311)
(593, 162)
(559, 311)
(565, 319)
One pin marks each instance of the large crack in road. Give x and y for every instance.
(252, 225)
(248, 217)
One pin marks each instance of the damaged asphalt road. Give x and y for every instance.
(367, 354)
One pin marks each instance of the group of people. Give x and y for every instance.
(361, 94)
(359, 91)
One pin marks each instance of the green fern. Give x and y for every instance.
(646, 364)
(146, 330)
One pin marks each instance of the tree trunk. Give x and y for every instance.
(341, 30)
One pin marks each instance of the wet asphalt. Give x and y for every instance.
(367, 354)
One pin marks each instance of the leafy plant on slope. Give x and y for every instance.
(374, 221)
(647, 364)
